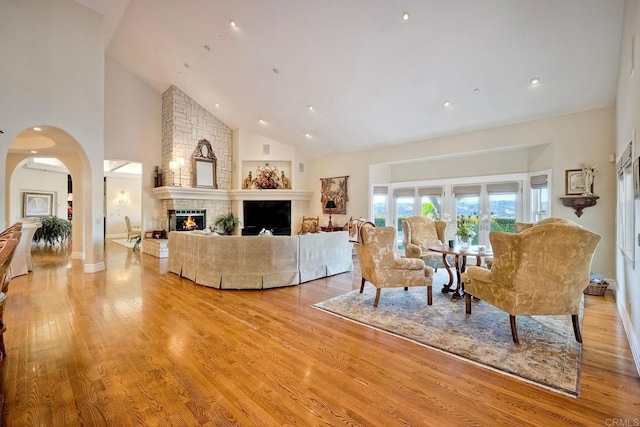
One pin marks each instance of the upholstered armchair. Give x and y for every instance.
(421, 232)
(383, 268)
(542, 270)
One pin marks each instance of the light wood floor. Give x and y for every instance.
(136, 345)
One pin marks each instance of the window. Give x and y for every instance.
(503, 207)
(539, 197)
(380, 208)
(467, 203)
(404, 198)
(431, 202)
(625, 204)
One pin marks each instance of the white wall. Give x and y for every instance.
(248, 147)
(33, 181)
(116, 211)
(53, 75)
(557, 143)
(133, 124)
(628, 119)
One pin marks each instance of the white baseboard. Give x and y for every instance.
(94, 268)
(633, 340)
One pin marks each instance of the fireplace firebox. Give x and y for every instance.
(187, 220)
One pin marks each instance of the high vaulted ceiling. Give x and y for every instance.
(372, 78)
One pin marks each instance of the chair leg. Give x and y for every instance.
(576, 327)
(362, 285)
(514, 329)
(375, 303)
(429, 295)
(467, 303)
(406, 288)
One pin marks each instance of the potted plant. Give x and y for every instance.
(227, 222)
(54, 230)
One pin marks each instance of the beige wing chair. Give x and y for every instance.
(383, 268)
(421, 232)
(541, 271)
(132, 232)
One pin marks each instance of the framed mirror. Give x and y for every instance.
(204, 166)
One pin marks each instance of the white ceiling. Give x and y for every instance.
(372, 78)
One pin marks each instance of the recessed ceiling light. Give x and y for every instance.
(262, 121)
(37, 129)
(275, 70)
(34, 152)
(217, 105)
(186, 65)
(233, 23)
(535, 81)
(308, 135)
(310, 107)
(1, 132)
(476, 91)
(447, 103)
(207, 47)
(406, 16)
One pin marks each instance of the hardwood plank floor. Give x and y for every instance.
(135, 345)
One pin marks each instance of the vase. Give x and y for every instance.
(464, 242)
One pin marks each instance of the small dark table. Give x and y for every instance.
(460, 256)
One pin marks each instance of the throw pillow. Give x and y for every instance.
(310, 224)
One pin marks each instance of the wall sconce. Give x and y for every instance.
(123, 199)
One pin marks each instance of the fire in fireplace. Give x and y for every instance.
(186, 220)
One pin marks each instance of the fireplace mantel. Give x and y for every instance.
(193, 193)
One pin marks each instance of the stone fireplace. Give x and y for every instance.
(187, 220)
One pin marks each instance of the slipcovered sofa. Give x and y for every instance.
(258, 262)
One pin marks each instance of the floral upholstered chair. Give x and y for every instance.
(383, 268)
(421, 232)
(541, 271)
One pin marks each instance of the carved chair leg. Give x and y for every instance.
(406, 288)
(576, 327)
(467, 303)
(362, 285)
(429, 295)
(375, 303)
(514, 329)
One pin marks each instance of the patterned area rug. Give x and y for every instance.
(548, 354)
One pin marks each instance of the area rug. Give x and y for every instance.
(124, 242)
(548, 354)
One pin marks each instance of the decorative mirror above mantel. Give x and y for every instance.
(204, 170)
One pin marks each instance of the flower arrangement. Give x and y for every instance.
(465, 227)
(267, 177)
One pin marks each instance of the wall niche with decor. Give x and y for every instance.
(271, 175)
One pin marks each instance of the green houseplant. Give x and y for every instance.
(54, 231)
(227, 222)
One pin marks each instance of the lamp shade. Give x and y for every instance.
(330, 204)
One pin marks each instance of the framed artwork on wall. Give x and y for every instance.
(574, 184)
(37, 204)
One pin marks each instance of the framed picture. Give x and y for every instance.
(574, 182)
(148, 234)
(38, 204)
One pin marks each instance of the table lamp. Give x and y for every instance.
(330, 206)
